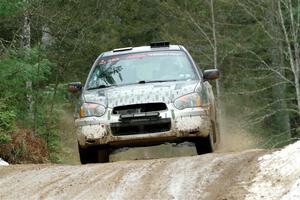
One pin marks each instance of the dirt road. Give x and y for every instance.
(254, 174)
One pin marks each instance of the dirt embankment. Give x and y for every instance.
(252, 174)
(212, 176)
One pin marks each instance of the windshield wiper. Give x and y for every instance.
(156, 81)
(100, 86)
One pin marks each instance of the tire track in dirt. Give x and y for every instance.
(210, 176)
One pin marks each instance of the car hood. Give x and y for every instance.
(139, 93)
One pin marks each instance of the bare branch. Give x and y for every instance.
(256, 19)
(201, 30)
(257, 90)
(287, 40)
(270, 68)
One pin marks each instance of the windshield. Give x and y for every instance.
(141, 68)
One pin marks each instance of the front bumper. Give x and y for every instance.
(191, 122)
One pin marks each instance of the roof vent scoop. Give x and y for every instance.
(159, 44)
(122, 49)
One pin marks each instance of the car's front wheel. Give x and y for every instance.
(103, 155)
(93, 154)
(204, 145)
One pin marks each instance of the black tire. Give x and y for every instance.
(88, 155)
(204, 145)
(103, 155)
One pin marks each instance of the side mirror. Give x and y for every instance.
(74, 87)
(210, 74)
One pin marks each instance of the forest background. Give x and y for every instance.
(46, 44)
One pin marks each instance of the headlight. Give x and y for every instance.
(188, 101)
(91, 109)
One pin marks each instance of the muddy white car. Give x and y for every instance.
(141, 96)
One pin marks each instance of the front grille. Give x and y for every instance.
(139, 108)
(140, 125)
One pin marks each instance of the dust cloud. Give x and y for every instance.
(69, 149)
(234, 137)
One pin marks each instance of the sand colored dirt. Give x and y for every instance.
(211, 176)
(250, 174)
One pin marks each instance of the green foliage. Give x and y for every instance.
(10, 12)
(4, 138)
(17, 67)
(7, 122)
(48, 111)
(10, 7)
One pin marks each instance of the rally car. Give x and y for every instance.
(141, 96)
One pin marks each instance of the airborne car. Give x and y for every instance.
(141, 96)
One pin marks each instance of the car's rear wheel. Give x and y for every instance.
(93, 154)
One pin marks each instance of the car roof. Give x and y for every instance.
(127, 50)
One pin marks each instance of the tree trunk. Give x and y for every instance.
(215, 46)
(215, 56)
(282, 119)
(46, 37)
(25, 43)
(293, 56)
(26, 32)
(297, 86)
(295, 35)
